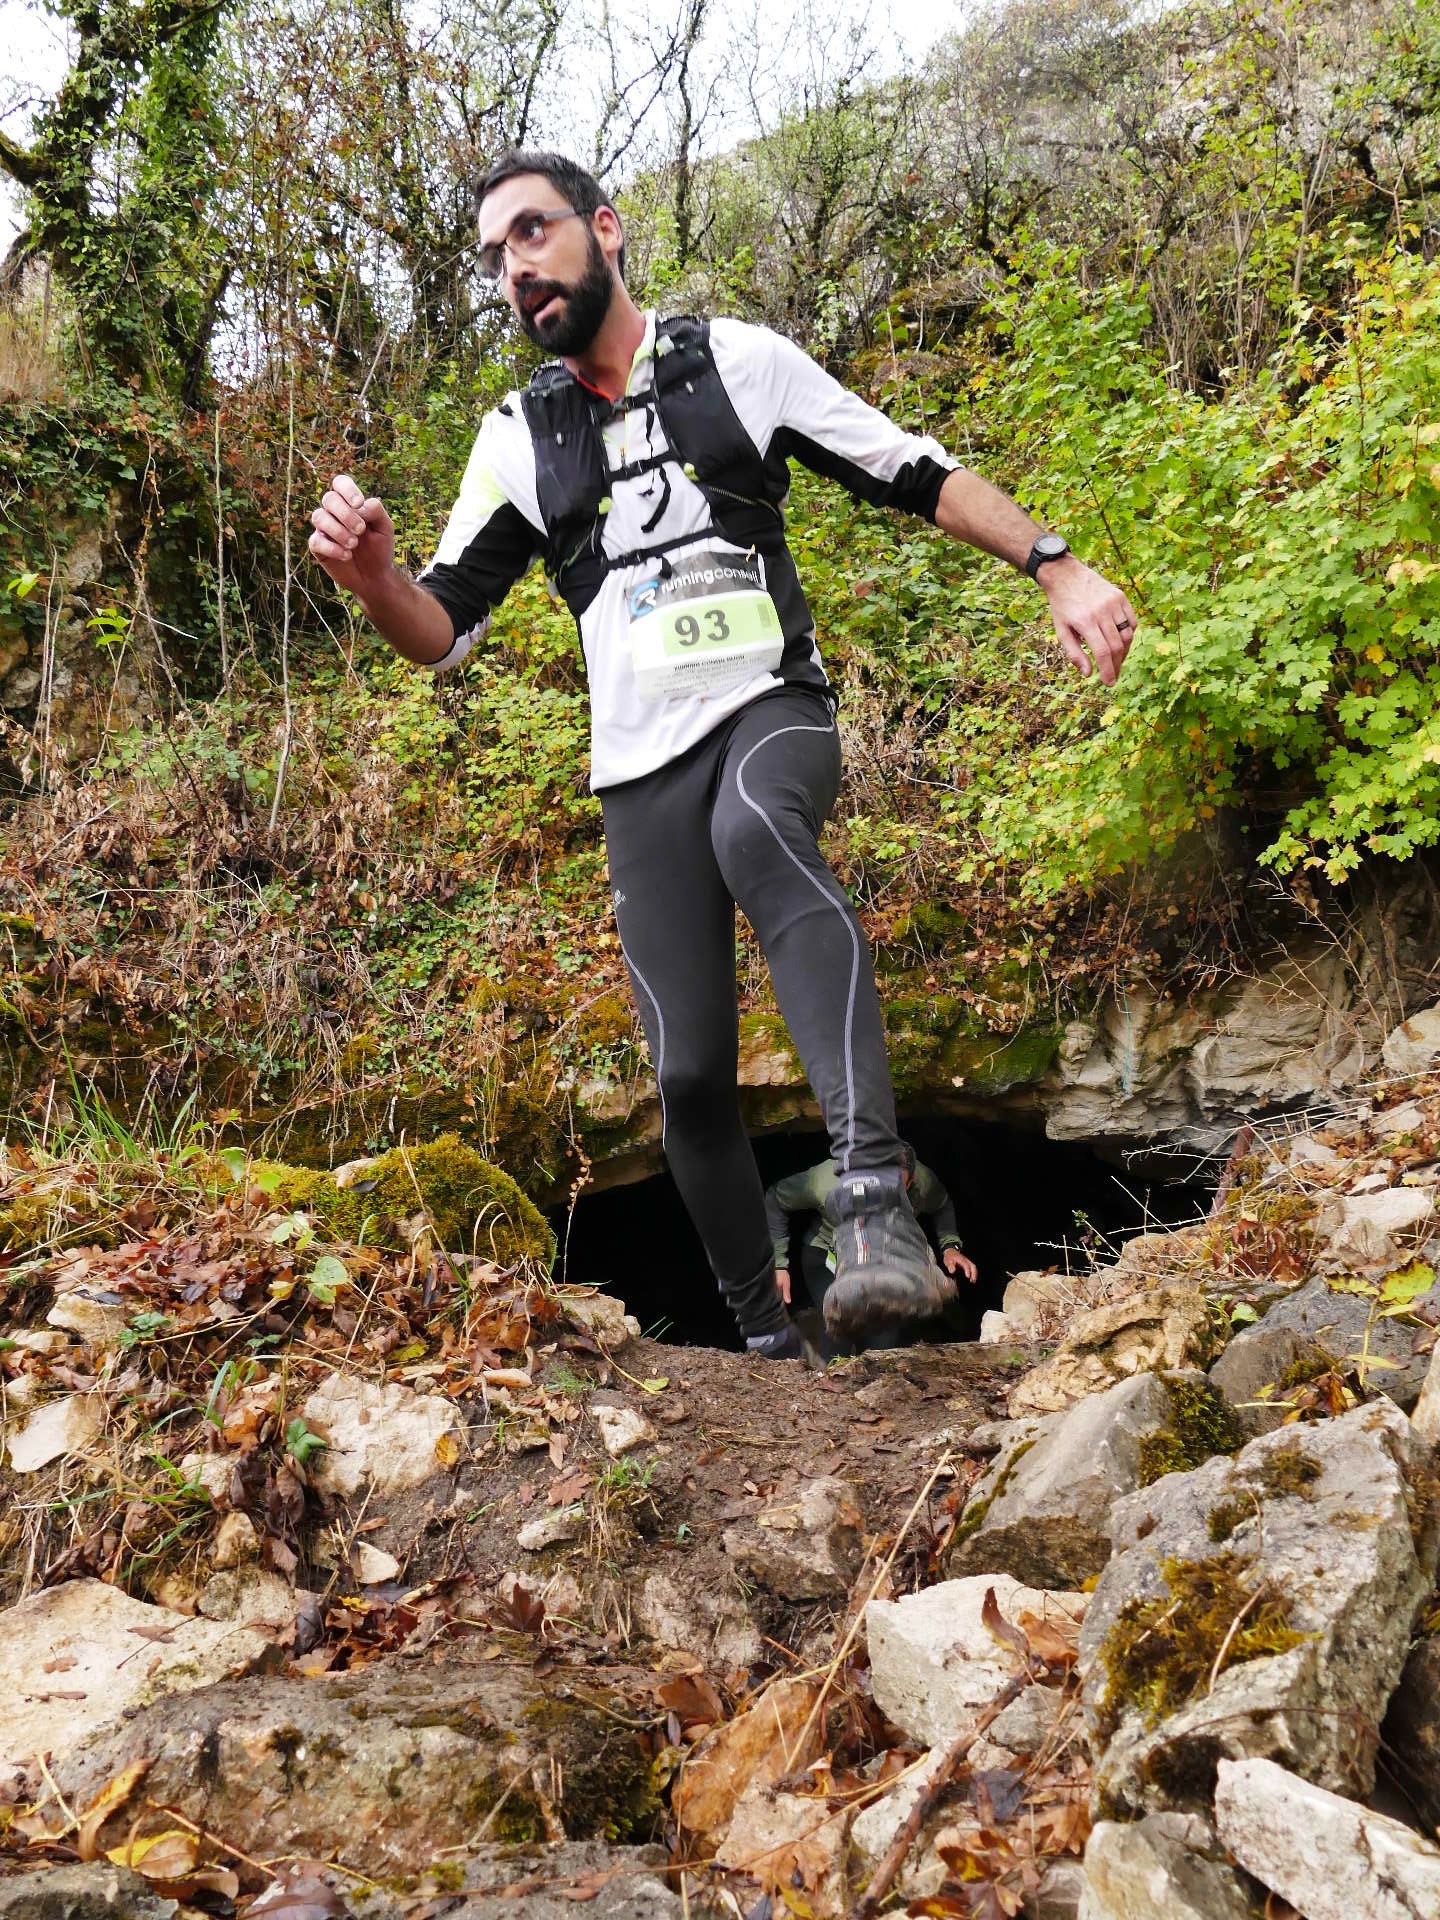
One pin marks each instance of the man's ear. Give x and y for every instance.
(610, 232)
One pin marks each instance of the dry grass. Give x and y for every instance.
(30, 362)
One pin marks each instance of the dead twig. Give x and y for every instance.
(950, 1759)
(1259, 1594)
(942, 1465)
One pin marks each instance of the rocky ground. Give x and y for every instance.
(362, 1577)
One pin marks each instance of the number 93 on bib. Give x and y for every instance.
(706, 625)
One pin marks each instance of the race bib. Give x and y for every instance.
(706, 625)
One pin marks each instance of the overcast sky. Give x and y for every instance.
(36, 55)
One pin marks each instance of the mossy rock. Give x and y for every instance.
(473, 1205)
(606, 1023)
(1201, 1425)
(1165, 1650)
(934, 1040)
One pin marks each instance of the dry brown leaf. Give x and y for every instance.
(1000, 1627)
(1047, 1641)
(170, 1855)
(114, 1794)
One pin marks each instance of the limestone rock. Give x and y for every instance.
(1326, 1855)
(997, 1329)
(991, 1436)
(711, 1623)
(38, 1340)
(1342, 1325)
(753, 1750)
(1029, 1297)
(555, 1527)
(1408, 1117)
(212, 1471)
(235, 1541)
(1307, 1155)
(74, 1892)
(933, 1661)
(1411, 1733)
(1058, 1896)
(559, 1879)
(124, 1652)
(803, 1546)
(1414, 1046)
(1027, 1723)
(380, 1436)
(1260, 1358)
(601, 1314)
(1309, 1532)
(373, 1566)
(1166, 1867)
(99, 1323)
(1150, 1067)
(1146, 1259)
(876, 1825)
(403, 1763)
(793, 1841)
(621, 1428)
(56, 1427)
(1425, 1414)
(260, 1599)
(1042, 1511)
(1164, 1327)
(1370, 1229)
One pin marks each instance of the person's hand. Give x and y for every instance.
(782, 1283)
(354, 537)
(1094, 621)
(957, 1262)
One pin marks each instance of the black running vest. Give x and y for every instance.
(705, 439)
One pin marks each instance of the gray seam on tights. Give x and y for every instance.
(790, 855)
(660, 1023)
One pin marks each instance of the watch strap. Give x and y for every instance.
(1049, 546)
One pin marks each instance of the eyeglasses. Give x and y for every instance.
(525, 240)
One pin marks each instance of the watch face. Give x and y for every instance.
(1050, 546)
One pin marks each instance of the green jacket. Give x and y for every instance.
(807, 1193)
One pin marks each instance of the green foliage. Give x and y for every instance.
(1277, 542)
(302, 1441)
(120, 177)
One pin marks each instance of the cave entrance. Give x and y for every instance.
(1022, 1200)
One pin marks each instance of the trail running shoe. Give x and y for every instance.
(884, 1269)
(788, 1344)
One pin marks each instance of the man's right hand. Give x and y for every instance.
(782, 1283)
(354, 541)
(354, 538)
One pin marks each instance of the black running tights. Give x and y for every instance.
(735, 820)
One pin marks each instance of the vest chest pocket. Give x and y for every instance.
(707, 625)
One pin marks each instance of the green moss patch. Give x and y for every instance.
(1201, 1425)
(1165, 1651)
(975, 1513)
(1288, 1470)
(473, 1206)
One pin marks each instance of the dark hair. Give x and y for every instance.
(582, 190)
(907, 1158)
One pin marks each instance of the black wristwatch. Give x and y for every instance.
(1050, 546)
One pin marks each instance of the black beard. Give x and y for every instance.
(570, 330)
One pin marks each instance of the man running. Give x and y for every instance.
(647, 465)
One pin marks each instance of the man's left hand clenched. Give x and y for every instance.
(1094, 620)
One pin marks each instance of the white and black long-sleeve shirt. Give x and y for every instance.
(788, 406)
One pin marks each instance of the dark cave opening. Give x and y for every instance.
(1022, 1201)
